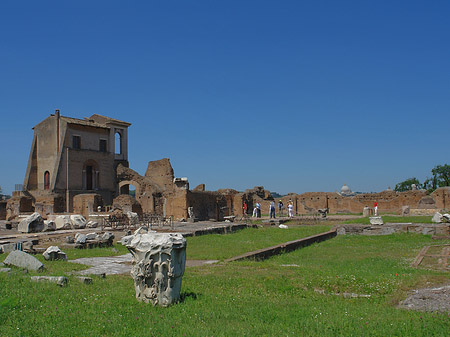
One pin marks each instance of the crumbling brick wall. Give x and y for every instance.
(2, 209)
(87, 203)
(126, 203)
(161, 173)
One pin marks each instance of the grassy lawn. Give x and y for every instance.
(295, 294)
(393, 218)
(220, 247)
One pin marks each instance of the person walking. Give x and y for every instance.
(280, 208)
(255, 212)
(272, 210)
(291, 210)
(258, 210)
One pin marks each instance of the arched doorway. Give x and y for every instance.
(129, 187)
(91, 175)
(46, 180)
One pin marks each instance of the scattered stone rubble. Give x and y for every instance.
(92, 224)
(59, 280)
(63, 222)
(49, 226)
(440, 218)
(35, 223)
(78, 221)
(31, 224)
(428, 299)
(54, 253)
(158, 266)
(92, 240)
(23, 260)
(84, 279)
(376, 220)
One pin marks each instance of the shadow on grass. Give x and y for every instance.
(188, 296)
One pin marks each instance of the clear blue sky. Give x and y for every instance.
(296, 96)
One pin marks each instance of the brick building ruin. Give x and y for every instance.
(78, 165)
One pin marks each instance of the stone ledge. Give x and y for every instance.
(289, 246)
(218, 230)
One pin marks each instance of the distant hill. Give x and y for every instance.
(276, 195)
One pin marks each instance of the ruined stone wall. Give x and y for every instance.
(87, 203)
(238, 203)
(161, 173)
(148, 193)
(176, 204)
(126, 203)
(442, 198)
(19, 203)
(205, 204)
(2, 209)
(310, 202)
(49, 204)
(388, 201)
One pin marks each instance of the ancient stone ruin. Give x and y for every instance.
(81, 166)
(158, 266)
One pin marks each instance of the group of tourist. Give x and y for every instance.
(290, 207)
(257, 209)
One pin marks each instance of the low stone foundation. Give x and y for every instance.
(286, 247)
(391, 228)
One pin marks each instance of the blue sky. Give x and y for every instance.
(296, 96)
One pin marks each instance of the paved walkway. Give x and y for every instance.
(112, 265)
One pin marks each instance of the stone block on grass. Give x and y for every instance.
(376, 220)
(437, 217)
(21, 259)
(84, 279)
(59, 280)
(158, 266)
(54, 253)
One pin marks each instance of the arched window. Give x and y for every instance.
(46, 180)
(118, 143)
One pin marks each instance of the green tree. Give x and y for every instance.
(407, 185)
(441, 176)
(429, 184)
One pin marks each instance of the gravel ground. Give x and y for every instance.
(428, 299)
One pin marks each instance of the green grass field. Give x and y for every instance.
(295, 294)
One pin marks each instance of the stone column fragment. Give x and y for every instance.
(158, 266)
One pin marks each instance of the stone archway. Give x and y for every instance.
(124, 189)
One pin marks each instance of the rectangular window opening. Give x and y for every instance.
(76, 142)
(102, 145)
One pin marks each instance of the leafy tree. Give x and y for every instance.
(429, 184)
(441, 176)
(407, 185)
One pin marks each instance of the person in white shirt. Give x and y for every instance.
(291, 210)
